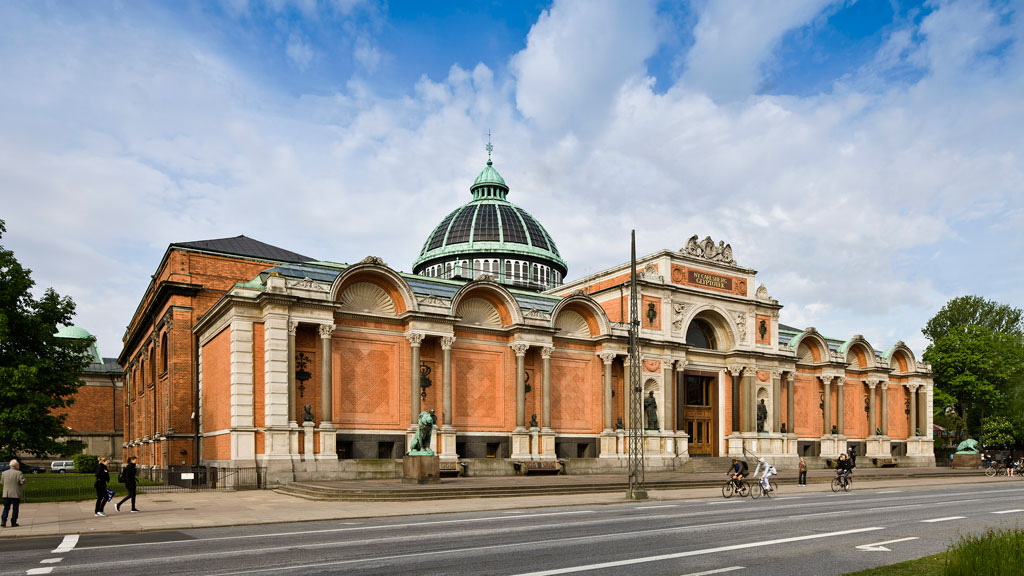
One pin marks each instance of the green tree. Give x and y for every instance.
(39, 372)
(977, 356)
(998, 430)
(975, 311)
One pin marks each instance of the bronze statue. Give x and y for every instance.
(533, 421)
(307, 415)
(424, 430)
(762, 415)
(969, 446)
(651, 410)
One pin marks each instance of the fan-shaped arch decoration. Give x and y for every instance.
(479, 312)
(368, 298)
(572, 323)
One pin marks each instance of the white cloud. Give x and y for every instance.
(577, 56)
(299, 52)
(367, 54)
(733, 40)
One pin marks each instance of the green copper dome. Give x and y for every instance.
(490, 235)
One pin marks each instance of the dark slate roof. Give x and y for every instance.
(244, 246)
(108, 365)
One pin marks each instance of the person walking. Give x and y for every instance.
(127, 477)
(12, 479)
(102, 477)
(802, 479)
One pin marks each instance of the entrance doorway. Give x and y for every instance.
(698, 413)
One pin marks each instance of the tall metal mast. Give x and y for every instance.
(637, 487)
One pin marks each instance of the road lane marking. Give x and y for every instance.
(718, 571)
(50, 561)
(903, 506)
(944, 519)
(653, 507)
(326, 531)
(661, 557)
(67, 544)
(818, 514)
(40, 570)
(514, 512)
(788, 498)
(878, 546)
(1008, 511)
(889, 492)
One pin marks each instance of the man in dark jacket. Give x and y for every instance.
(127, 477)
(102, 477)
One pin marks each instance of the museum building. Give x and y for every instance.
(317, 369)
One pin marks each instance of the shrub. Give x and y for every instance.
(994, 552)
(85, 463)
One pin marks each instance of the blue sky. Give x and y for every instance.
(864, 157)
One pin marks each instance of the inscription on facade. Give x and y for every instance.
(710, 280)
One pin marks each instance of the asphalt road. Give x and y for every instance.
(794, 533)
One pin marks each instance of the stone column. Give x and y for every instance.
(415, 340)
(885, 409)
(776, 400)
(607, 358)
(520, 349)
(826, 415)
(326, 375)
(790, 403)
(912, 392)
(545, 355)
(922, 412)
(747, 396)
(669, 421)
(292, 420)
(839, 404)
(735, 372)
(446, 379)
(871, 406)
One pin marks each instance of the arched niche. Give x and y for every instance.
(566, 316)
(500, 299)
(384, 278)
(858, 353)
(810, 347)
(479, 312)
(367, 298)
(709, 329)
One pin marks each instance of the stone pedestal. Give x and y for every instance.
(421, 469)
(829, 446)
(547, 444)
(966, 461)
(520, 444)
(682, 444)
(328, 442)
(735, 445)
(609, 445)
(446, 438)
(878, 447)
(535, 443)
(620, 443)
(790, 445)
(652, 443)
(293, 439)
(307, 441)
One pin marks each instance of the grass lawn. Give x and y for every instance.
(928, 566)
(996, 551)
(70, 487)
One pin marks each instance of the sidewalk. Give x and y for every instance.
(185, 510)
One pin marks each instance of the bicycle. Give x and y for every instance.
(995, 470)
(731, 487)
(842, 482)
(757, 490)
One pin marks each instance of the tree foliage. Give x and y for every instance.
(977, 356)
(39, 372)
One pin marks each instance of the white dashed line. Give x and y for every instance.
(68, 544)
(719, 571)
(1008, 511)
(50, 561)
(944, 519)
(652, 507)
(40, 570)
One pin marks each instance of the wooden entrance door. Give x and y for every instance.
(698, 416)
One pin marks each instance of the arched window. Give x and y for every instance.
(465, 269)
(163, 353)
(448, 270)
(700, 334)
(533, 275)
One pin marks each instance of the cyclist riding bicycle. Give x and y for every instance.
(843, 468)
(768, 472)
(737, 471)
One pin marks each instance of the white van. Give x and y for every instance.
(62, 466)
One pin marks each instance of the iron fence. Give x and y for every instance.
(72, 486)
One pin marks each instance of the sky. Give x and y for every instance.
(865, 157)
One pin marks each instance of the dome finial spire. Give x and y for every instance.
(489, 147)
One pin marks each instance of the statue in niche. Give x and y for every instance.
(651, 411)
(762, 415)
(783, 427)
(307, 414)
(533, 421)
(834, 430)
(424, 430)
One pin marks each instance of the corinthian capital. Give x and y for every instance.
(519, 348)
(326, 330)
(446, 342)
(736, 369)
(826, 379)
(415, 338)
(546, 351)
(607, 357)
